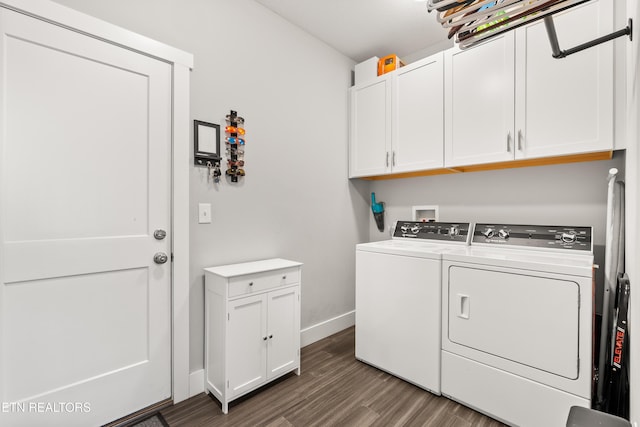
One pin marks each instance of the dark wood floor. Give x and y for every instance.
(334, 389)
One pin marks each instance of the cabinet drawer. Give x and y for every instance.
(252, 283)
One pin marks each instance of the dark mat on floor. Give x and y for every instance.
(155, 421)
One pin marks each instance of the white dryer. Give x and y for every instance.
(517, 321)
(398, 300)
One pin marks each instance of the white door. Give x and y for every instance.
(479, 97)
(418, 116)
(283, 326)
(85, 180)
(247, 343)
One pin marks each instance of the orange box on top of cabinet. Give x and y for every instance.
(389, 63)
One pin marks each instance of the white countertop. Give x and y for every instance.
(232, 270)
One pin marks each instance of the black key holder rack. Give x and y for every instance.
(206, 150)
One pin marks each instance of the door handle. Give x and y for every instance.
(509, 142)
(463, 306)
(520, 140)
(160, 258)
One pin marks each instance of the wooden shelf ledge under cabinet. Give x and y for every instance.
(544, 161)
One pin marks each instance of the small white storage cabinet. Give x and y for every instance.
(252, 325)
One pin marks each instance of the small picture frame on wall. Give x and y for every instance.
(206, 141)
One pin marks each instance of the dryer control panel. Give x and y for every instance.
(438, 231)
(535, 236)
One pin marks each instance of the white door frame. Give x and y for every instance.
(632, 200)
(182, 63)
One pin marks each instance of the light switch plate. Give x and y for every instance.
(204, 213)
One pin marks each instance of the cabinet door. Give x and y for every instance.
(565, 106)
(418, 128)
(370, 133)
(283, 331)
(247, 346)
(479, 103)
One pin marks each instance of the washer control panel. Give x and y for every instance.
(536, 236)
(439, 231)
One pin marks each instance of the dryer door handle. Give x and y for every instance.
(463, 306)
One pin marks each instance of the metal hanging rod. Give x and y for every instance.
(559, 53)
(475, 21)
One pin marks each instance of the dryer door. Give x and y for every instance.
(517, 317)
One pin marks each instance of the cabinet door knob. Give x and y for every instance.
(264, 338)
(284, 277)
(250, 283)
(270, 336)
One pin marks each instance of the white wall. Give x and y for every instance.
(296, 201)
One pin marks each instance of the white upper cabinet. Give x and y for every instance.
(417, 116)
(370, 133)
(510, 99)
(479, 103)
(397, 121)
(565, 106)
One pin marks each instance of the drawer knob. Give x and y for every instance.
(284, 277)
(250, 283)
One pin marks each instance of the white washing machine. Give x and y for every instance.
(517, 321)
(398, 299)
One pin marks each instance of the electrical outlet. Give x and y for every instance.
(204, 213)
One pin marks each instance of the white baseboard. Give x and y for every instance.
(196, 382)
(328, 327)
